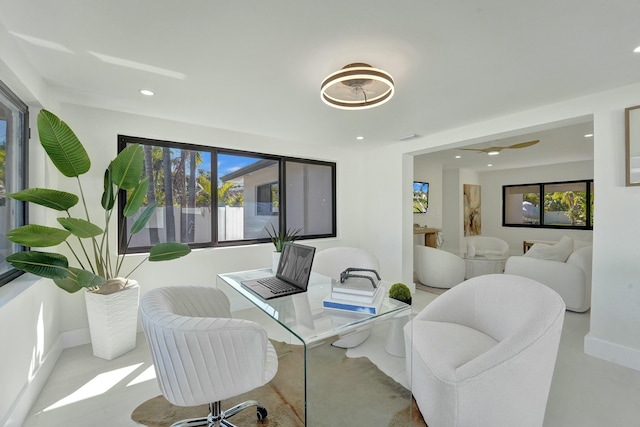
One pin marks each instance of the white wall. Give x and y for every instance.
(615, 309)
(98, 130)
(426, 171)
(492, 183)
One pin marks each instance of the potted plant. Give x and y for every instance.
(109, 291)
(279, 238)
(400, 292)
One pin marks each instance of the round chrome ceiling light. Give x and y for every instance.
(357, 86)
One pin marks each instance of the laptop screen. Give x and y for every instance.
(295, 264)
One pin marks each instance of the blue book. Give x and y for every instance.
(355, 306)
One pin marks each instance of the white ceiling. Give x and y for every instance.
(256, 66)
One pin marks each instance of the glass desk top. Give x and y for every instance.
(303, 314)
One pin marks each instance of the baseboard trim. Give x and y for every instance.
(19, 410)
(611, 352)
(76, 337)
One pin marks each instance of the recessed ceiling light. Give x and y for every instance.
(457, 157)
(359, 138)
(146, 92)
(636, 50)
(493, 153)
(489, 165)
(589, 135)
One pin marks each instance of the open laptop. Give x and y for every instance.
(292, 276)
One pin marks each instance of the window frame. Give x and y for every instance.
(23, 152)
(589, 185)
(214, 242)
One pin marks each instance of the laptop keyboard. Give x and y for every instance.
(275, 285)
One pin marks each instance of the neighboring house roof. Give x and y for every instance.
(260, 164)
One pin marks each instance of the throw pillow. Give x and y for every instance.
(578, 244)
(558, 252)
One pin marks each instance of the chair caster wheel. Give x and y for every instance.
(262, 413)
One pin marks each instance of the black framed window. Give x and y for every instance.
(567, 204)
(14, 134)
(247, 197)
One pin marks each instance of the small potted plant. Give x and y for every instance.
(279, 238)
(400, 292)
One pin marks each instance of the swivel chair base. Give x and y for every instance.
(217, 417)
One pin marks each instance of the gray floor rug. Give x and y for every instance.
(284, 398)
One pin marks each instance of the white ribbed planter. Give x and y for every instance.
(275, 260)
(113, 321)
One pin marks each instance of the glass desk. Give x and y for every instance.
(310, 325)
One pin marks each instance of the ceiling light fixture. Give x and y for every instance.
(636, 50)
(146, 92)
(359, 138)
(357, 86)
(589, 135)
(457, 157)
(493, 153)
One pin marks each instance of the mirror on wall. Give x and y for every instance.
(632, 130)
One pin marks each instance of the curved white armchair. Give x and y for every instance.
(483, 353)
(437, 268)
(485, 245)
(333, 261)
(201, 355)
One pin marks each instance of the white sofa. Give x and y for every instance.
(486, 245)
(570, 278)
(483, 353)
(437, 268)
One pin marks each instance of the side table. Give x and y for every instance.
(483, 264)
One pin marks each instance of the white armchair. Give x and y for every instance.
(483, 353)
(485, 245)
(438, 268)
(570, 278)
(333, 261)
(201, 355)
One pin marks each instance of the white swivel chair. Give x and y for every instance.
(333, 261)
(438, 268)
(203, 356)
(486, 245)
(483, 353)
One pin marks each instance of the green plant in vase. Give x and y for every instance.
(96, 268)
(279, 238)
(400, 292)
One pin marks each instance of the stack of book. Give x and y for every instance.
(355, 295)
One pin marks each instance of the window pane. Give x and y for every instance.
(565, 204)
(248, 196)
(12, 177)
(310, 198)
(180, 182)
(522, 204)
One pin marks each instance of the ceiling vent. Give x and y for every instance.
(410, 137)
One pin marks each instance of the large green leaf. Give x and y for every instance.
(79, 279)
(80, 227)
(54, 199)
(135, 199)
(87, 279)
(62, 145)
(127, 167)
(37, 236)
(168, 251)
(108, 196)
(143, 219)
(43, 264)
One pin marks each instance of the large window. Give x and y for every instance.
(13, 173)
(208, 196)
(549, 205)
